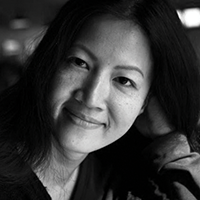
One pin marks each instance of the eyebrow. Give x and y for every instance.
(118, 67)
(130, 67)
(86, 50)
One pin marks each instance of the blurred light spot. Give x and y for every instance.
(11, 47)
(21, 23)
(190, 17)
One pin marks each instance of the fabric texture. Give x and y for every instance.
(164, 169)
(91, 183)
(175, 168)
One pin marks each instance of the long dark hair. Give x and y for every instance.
(25, 128)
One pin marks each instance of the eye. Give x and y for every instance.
(77, 62)
(125, 81)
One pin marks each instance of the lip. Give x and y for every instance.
(83, 121)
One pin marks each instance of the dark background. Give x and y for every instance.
(22, 23)
(35, 15)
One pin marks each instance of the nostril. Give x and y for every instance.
(92, 93)
(78, 96)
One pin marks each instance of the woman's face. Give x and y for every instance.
(101, 87)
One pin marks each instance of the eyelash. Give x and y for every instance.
(74, 60)
(77, 62)
(131, 83)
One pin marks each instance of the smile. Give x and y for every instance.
(83, 121)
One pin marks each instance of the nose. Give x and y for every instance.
(94, 92)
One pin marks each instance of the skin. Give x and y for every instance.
(99, 90)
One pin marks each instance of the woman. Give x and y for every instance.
(90, 77)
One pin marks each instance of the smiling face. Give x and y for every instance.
(101, 87)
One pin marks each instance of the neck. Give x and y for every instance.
(61, 169)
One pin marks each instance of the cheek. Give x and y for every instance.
(61, 90)
(63, 84)
(126, 112)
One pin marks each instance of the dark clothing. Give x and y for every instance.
(91, 183)
(92, 180)
(169, 170)
(164, 169)
(175, 168)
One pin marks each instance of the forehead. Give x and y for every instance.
(103, 26)
(110, 37)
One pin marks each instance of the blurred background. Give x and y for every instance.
(22, 23)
